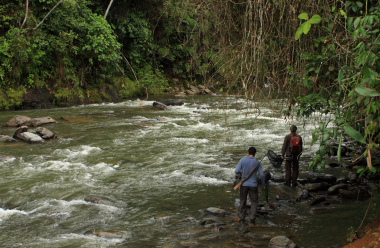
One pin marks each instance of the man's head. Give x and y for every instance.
(293, 128)
(252, 151)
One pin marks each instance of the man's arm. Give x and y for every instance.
(238, 168)
(285, 145)
(262, 175)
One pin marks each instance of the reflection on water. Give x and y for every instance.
(145, 164)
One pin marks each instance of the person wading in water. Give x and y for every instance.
(249, 167)
(291, 152)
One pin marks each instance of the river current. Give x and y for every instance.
(149, 167)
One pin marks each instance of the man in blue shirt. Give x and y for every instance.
(249, 187)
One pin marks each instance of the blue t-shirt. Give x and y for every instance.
(245, 166)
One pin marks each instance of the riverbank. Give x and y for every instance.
(371, 237)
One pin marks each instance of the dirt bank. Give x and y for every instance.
(371, 237)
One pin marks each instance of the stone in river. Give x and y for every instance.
(217, 211)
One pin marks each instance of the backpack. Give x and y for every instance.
(295, 144)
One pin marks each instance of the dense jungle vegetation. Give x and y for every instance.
(321, 55)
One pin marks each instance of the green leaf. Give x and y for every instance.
(356, 22)
(364, 91)
(304, 16)
(343, 13)
(298, 33)
(340, 148)
(354, 134)
(315, 19)
(306, 27)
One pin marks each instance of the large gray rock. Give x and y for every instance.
(317, 186)
(217, 212)
(173, 103)
(21, 120)
(45, 133)
(17, 121)
(335, 189)
(31, 137)
(42, 121)
(6, 138)
(281, 242)
(159, 106)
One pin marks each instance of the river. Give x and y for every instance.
(151, 168)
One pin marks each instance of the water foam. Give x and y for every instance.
(6, 213)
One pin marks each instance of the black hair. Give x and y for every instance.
(252, 150)
(293, 128)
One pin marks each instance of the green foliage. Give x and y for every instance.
(322, 134)
(306, 26)
(11, 98)
(312, 103)
(356, 86)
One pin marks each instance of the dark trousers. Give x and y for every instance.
(254, 197)
(292, 169)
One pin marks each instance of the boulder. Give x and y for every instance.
(173, 103)
(20, 120)
(45, 133)
(217, 212)
(335, 189)
(6, 138)
(43, 121)
(17, 121)
(31, 137)
(318, 200)
(20, 130)
(348, 194)
(159, 106)
(304, 194)
(317, 186)
(23, 134)
(281, 242)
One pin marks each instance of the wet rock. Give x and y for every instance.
(317, 186)
(305, 194)
(173, 103)
(217, 212)
(161, 219)
(281, 242)
(20, 130)
(207, 221)
(348, 194)
(94, 199)
(352, 176)
(45, 133)
(31, 137)
(326, 178)
(23, 134)
(335, 189)
(318, 200)
(6, 138)
(159, 106)
(42, 121)
(215, 226)
(20, 120)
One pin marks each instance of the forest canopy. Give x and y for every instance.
(320, 55)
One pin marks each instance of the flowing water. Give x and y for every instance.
(151, 168)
